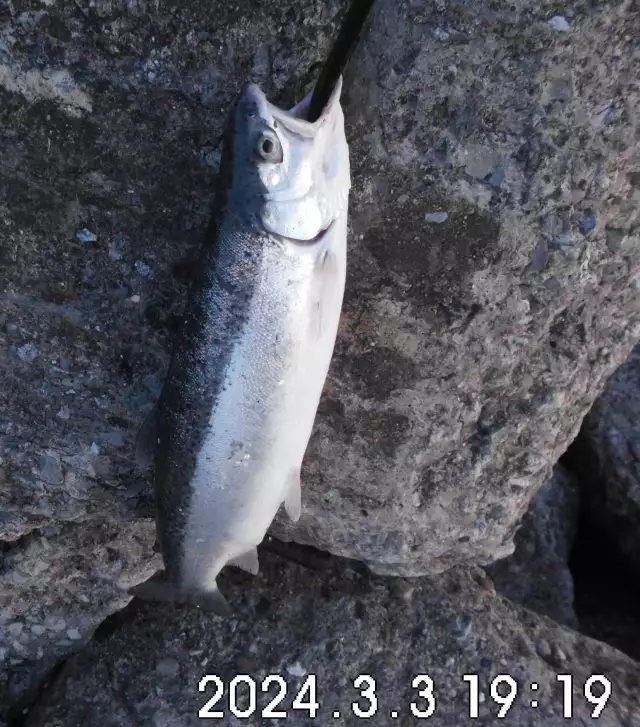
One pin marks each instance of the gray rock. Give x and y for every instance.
(607, 456)
(461, 371)
(58, 584)
(50, 470)
(537, 575)
(466, 359)
(331, 628)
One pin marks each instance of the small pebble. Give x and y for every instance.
(27, 352)
(544, 649)
(85, 235)
(38, 629)
(462, 628)
(143, 269)
(94, 449)
(135, 298)
(15, 629)
(558, 22)
(168, 667)
(540, 255)
(587, 225)
(437, 217)
(74, 634)
(117, 245)
(63, 413)
(559, 654)
(296, 670)
(114, 252)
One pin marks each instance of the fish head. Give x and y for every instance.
(293, 174)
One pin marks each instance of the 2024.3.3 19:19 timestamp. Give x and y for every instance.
(242, 697)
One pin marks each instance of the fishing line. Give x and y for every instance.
(341, 51)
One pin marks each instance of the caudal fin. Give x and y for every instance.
(157, 588)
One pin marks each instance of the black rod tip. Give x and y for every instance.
(343, 47)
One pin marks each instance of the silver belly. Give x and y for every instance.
(260, 428)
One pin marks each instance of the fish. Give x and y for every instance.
(237, 408)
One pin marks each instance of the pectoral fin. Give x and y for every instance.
(292, 502)
(247, 561)
(147, 439)
(326, 275)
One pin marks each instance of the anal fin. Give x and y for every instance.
(147, 439)
(247, 561)
(293, 500)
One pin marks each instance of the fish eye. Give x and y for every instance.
(269, 148)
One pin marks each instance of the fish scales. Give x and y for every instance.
(238, 405)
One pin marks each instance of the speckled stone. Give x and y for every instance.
(537, 575)
(470, 351)
(333, 627)
(81, 577)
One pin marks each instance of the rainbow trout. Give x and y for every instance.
(237, 408)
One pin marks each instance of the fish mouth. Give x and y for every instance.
(294, 119)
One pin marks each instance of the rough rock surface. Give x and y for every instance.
(471, 348)
(607, 456)
(493, 268)
(537, 575)
(58, 584)
(456, 345)
(337, 625)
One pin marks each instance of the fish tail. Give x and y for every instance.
(158, 588)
